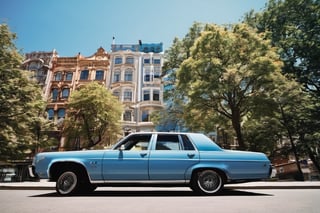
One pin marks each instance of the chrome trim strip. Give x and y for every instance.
(140, 182)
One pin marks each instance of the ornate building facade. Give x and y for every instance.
(135, 79)
(130, 72)
(39, 63)
(69, 73)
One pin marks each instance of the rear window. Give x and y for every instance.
(187, 145)
(203, 143)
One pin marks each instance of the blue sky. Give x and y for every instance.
(72, 26)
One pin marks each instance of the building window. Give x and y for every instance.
(129, 60)
(99, 74)
(84, 75)
(145, 115)
(61, 113)
(117, 76)
(50, 114)
(147, 76)
(58, 76)
(127, 95)
(54, 94)
(146, 95)
(116, 93)
(146, 61)
(118, 60)
(156, 95)
(156, 61)
(65, 93)
(157, 73)
(127, 115)
(69, 76)
(128, 75)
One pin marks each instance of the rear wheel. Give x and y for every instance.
(67, 183)
(207, 182)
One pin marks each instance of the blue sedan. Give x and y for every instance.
(152, 159)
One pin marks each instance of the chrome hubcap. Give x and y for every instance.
(67, 182)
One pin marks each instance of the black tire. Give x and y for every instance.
(67, 183)
(207, 182)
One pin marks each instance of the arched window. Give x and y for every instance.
(50, 112)
(61, 113)
(99, 75)
(55, 94)
(65, 92)
(84, 75)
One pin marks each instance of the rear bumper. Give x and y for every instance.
(272, 172)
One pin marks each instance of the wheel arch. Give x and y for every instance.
(57, 168)
(220, 171)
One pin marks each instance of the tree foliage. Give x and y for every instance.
(229, 73)
(293, 27)
(20, 100)
(171, 118)
(93, 116)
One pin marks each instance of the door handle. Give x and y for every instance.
(143, 154)
(191, 155)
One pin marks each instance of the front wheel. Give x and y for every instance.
(67, 183)
(207, 182)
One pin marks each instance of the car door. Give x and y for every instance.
(171, 156)
(129, 160)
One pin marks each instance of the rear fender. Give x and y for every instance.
(201, 166)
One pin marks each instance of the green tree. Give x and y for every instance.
(228, 73)
(93, 116)
(293, 27)
(172, 116)
(20, 102)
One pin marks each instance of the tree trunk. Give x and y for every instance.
(236, 124)
(293, 146)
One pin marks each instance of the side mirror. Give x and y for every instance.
(122, 147)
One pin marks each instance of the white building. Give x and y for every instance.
(136, 80)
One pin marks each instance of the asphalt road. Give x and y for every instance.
(154, 200)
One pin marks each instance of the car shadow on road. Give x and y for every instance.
(155, 193)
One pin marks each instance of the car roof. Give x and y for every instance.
(202, 142)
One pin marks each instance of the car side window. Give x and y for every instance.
(168, 142)
(187, 145)
(136, 143)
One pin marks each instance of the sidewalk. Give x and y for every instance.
(45, 185)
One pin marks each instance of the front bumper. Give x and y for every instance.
(32, 172)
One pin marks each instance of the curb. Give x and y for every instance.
(271, 187)
(27, 188)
